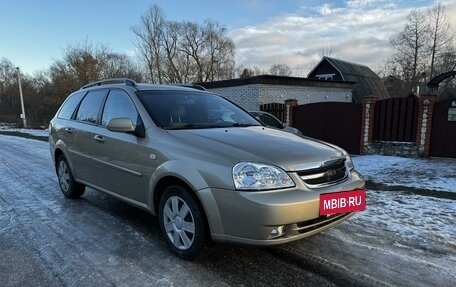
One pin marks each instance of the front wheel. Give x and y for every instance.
(70, 188)
(182, 222)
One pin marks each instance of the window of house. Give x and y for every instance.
(325, 76)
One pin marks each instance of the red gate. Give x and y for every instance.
(443, 134)
(336, 123)
(396, 119)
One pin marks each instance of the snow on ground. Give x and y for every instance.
(34, 132)
(421, 222)
(433, 173)
(397, 229)
(27, 145)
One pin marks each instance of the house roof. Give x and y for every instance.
(278, 80)
(367, 82)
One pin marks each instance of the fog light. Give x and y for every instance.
(276, 232)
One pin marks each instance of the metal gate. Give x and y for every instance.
(443, 134)
(396, 119)
(336, 123)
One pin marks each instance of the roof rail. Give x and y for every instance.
(193, 86)
(125, 81)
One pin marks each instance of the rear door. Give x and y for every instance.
(84, 129)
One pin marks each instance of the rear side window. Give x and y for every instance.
(67, 110)
(118, 105)
(90, 106)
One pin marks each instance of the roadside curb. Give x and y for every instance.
(410, 190)
(24, 135)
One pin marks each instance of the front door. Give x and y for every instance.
(117, 154)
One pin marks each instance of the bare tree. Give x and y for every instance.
(84, 63)
(46, 90)
(219, 58)
(425, 48)
(192, 46)
(149, 33)
(176, 68)
(246, 73)
(280, 70)
(9, 93)
(117, 65)
(326, 50)
(410, 46)
(441, 37)
(183, 51)
(258, 71)
(35, 100)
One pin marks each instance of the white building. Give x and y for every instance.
(252, 92)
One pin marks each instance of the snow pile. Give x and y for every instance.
(434, 173)
(34, 132)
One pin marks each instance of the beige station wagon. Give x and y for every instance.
(207, 168)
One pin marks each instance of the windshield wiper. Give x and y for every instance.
(237, 125)
(207, 126)
(188, 126)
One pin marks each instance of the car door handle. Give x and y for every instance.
(69, 130)
(99, 138)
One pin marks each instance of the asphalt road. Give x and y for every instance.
(48, 240)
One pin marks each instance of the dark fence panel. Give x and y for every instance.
(396, 120)
(276, 109)
(336, 123)
(443, 133)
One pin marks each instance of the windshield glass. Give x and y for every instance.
(193, 110)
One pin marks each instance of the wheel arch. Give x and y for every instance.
(171, 180)
(58, 151)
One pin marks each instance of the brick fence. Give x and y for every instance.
(419, 147)
(399, 126)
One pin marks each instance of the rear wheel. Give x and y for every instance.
(182, 222)
(69, 187)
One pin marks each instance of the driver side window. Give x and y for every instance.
(270, 121)
(119, 105)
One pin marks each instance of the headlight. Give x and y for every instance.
(256, 176)
(348, 161)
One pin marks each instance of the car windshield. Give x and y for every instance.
(193, 110)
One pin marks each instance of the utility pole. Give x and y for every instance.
(24, 120)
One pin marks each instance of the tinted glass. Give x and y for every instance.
(90, 105)
(70, 105)
(193, 109)
(118, 105)
(270, 121)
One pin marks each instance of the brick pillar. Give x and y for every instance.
(367, 123)
(290, 104)
(424, 124)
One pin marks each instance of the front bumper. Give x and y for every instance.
(251, 217)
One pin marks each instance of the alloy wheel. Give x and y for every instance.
(179, 223)
(64, 176)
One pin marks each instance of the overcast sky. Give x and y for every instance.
(295, 32)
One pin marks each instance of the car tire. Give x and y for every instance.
(182, 222)
(69, 187)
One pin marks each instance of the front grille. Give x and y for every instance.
(327, 174)
(310, 225)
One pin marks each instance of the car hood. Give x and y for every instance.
(259, 144)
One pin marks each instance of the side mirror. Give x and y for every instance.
(284, 125)
(124, 125)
